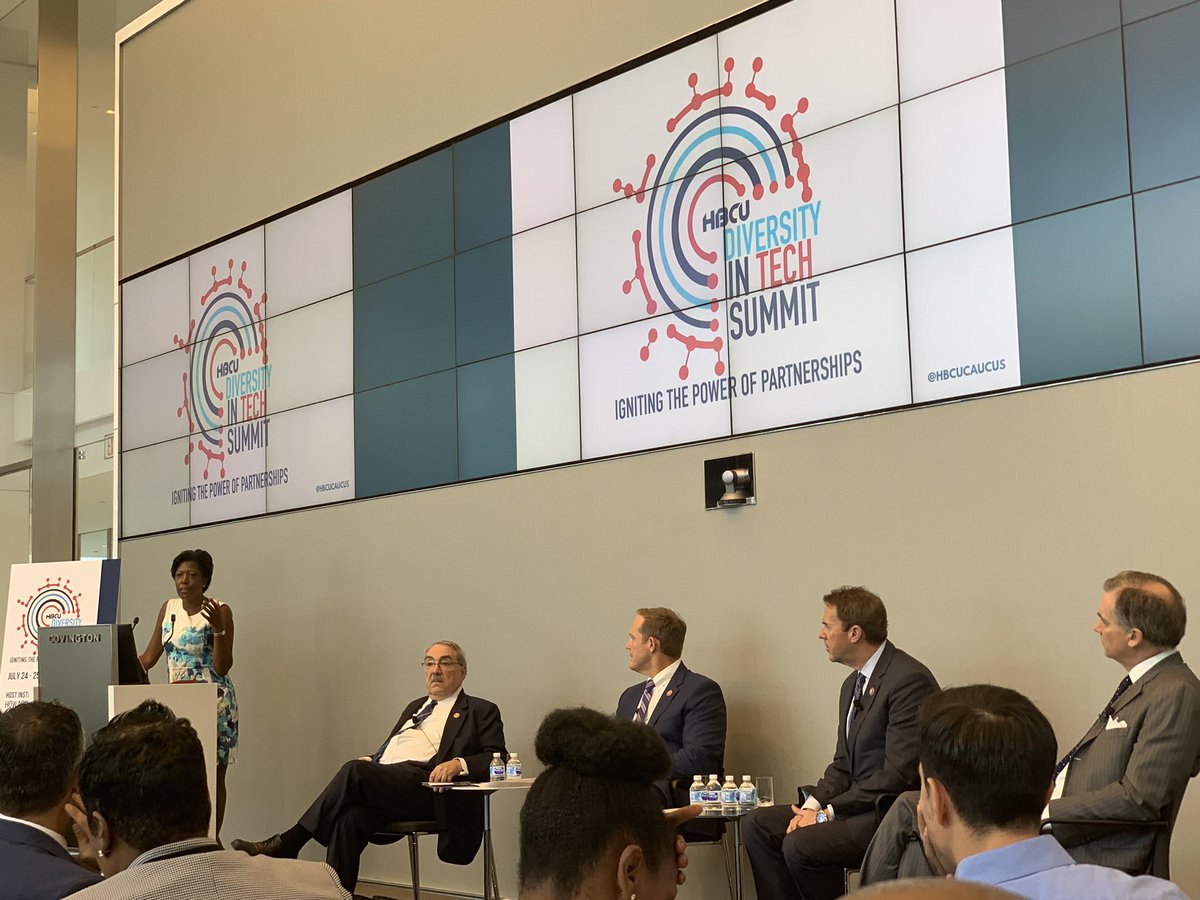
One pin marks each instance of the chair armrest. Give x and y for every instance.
(1048, 824)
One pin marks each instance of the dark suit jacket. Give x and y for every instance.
(474, 731)
(36, 867)
(880, 754)
(1136, 771)
(690, 718)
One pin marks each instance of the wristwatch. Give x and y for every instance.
(824, 815)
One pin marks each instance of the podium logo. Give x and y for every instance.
(51, 603)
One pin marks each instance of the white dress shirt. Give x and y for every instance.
(661, 680)
(420, 743)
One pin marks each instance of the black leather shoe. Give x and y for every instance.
(272, 846)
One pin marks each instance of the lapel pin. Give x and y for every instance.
(669, 693)
(456, 715)
(871, 692)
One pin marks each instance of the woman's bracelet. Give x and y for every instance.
(218, 633)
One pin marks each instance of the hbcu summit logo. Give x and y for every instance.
(727, 156)
(54, 603)
(226, 382)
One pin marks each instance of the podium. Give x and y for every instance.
(83, 667)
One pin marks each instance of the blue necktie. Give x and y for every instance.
(417, 719)
(644, 703)
(1104, 714)
(424, 714)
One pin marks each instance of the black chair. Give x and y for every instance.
(882, 804)
(711, 833)
(398, 831)
(1158, 863)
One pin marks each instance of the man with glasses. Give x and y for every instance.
(441, 736)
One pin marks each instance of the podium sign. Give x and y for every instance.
(76, 666)
(42, 596)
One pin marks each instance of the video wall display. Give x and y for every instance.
(829, 208)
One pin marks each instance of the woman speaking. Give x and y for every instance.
(196, 632)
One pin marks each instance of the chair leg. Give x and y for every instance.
(414, 860)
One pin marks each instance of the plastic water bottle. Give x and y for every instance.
(514, 768)
(696, 794)
(496, 768)
(711, 798)
(729, 795)
(746, 793)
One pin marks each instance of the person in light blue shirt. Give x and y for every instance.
(987, 759)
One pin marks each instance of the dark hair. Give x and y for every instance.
(993, 750)
(664, 625)
(858, 606)
(594, 795)
(40, 745)
(145, 773)
(203, 560)
(1162, 620)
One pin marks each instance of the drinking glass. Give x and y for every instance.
(764, 785)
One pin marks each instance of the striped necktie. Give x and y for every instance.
(424, 714)
(1104, 714)
(644, 703)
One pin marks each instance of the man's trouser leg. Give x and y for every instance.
(361, 797)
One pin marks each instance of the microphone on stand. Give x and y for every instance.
(135, 621)
(171, 633)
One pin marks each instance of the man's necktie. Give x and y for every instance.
(644, 703)
(424, 714)
(856, 700)
(1104, 714)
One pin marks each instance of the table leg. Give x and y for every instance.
(737, 857)
(487, 849)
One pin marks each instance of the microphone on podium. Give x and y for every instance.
(135, 621)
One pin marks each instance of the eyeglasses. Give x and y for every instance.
(444, 663)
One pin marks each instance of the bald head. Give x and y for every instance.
(933, 889)
(1150, 604)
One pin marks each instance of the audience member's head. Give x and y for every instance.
(40, 744)
(591, 825)
(987, 765)
(144, 784)
(1140, 615)
(933, 889)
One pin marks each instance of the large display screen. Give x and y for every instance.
(824, 209)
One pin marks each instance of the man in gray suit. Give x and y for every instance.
(1135, 760)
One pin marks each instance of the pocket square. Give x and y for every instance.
(1114, 723)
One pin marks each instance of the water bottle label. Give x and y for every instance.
(497, 772)
(708, 796)
(747, 797)
(696, 796)
(514, 771)
(729, 796)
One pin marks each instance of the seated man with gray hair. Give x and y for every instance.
(1135, 760)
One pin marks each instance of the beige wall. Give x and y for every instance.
(987, 526)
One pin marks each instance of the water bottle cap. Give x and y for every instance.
(745, 778)
(713, 775)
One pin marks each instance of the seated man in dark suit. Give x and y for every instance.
(1135, 760)
(685, 708)
(443, 736)
(799, 852)
(40, 746)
